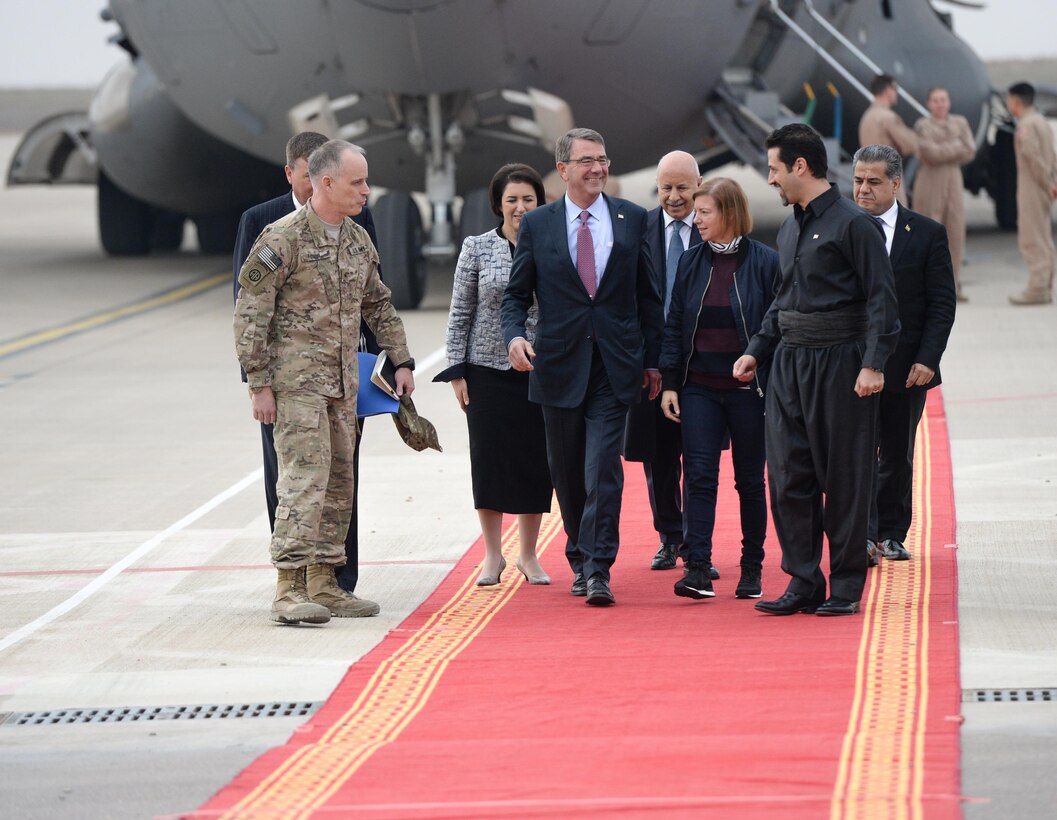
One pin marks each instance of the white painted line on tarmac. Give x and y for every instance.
(115, 570)
(112, 572)
(430, 360)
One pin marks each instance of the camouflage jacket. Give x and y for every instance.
(297, 318)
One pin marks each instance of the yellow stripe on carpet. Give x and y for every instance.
(881, 768)
(396, 693)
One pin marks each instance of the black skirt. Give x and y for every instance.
(508, 447)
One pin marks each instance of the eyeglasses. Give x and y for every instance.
(588, 162)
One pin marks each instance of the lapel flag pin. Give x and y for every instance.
(815, 236)
(620, 216)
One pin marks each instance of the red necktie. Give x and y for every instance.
(585, 255)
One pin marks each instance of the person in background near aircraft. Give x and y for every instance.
(832, 325)
(880, 124)
(649, 436)
(945, 144)
(1036, 191)
(307, 282)
(585, 261)
(723, 289)
(250, 226)
(925, 289)
(508, 445)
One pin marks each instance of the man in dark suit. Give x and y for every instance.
(924, 279)
(649, 436)
(251, 224)
(585, 261)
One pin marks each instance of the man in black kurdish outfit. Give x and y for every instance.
(830, 330)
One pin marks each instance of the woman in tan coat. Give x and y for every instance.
(945, 144)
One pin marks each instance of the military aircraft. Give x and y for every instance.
(192, 123)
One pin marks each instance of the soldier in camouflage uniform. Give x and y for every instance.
(305, 284)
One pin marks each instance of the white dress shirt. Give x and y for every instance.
(601, 226)
(888, 219)
(685, 226)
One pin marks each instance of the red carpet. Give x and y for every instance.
(519, 701)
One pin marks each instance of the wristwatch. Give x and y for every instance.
(409, 364)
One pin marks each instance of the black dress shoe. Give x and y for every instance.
(871, 553)
(893, 550)
(789, 604)
(665, 557)
(837, 606)
(598, 592)
(713, 573)
(579, 588)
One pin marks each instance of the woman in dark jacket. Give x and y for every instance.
(722, 289)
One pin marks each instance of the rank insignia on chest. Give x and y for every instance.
(269, 258)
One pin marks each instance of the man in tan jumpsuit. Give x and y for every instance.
(306, 282)
(945, 144)
(1036, 191)
(880, 125)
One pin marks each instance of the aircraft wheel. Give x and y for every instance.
(167, 233)
(125, 222)
(217, 232)
(400, 236)
(477, 217)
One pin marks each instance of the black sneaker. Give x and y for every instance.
(749, 585)
(696, 583)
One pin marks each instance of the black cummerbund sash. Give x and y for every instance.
(824, 328)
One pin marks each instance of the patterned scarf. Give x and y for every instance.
(730, 247)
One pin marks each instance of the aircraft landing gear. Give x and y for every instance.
(130, 227)
(477, 216)
(400, 238)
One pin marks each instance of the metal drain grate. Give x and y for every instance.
(125, 714)
(1009, 695)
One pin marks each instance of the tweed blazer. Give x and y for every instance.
(475, 332)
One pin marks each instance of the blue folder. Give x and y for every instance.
(371, 400)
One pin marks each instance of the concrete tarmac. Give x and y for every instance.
(133, 542)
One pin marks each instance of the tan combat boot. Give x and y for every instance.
(323, 589)
(292, 604)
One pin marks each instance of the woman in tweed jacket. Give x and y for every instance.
(508, 454)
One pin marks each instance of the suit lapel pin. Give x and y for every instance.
(815, 236)
(906, 228)
(620, 216)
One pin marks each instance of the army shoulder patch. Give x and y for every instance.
(259, 268)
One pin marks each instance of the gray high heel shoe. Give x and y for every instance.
(540, 580)
(492, 580)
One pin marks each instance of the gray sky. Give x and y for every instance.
(49, 43)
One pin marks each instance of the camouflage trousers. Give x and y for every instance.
(315, 441)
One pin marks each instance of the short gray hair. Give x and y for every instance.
(563, 149)
(326, 159)
(880, 153)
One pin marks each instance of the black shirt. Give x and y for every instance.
(832, 256)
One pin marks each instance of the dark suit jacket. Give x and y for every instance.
(255, 219)
(625, 319)
(640, 435)
(924, 279)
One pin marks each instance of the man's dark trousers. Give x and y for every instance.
(820, 440)
(583, 451)
(663, 476)
(893, 502)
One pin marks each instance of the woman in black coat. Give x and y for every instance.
(722, 289)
